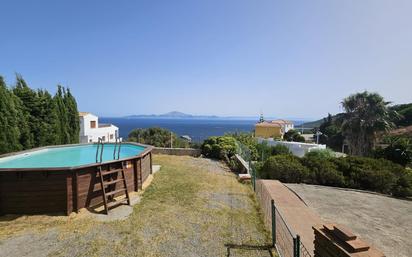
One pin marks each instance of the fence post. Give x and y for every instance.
(273, 223)
(296, 246)
(253, 178)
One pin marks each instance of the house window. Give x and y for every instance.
(93, 124)
(90, 140)
(111, 136)
(103, 138)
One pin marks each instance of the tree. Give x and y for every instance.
(223, 147)
(405, 112)
(72, 117)
(49, 120)
(27, 106)
(366, 115)
(30, 118)
(261, 119)
(399, 151)
(331, 132)
(9, 126)
(63, 124)
(158, 137)
(293, 135)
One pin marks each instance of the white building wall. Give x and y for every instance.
(91, 135)
(297, 148)
(288, 127)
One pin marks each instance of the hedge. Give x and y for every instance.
(286, 168)
(363, 173)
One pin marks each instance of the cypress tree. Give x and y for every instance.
(63, 132)
(30, 118)
(49, 130)
(72, 117)
(27, 107)
(9, 130)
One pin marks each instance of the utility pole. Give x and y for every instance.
(318, 133)
(171, 139)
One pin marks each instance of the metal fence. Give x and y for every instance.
(286, 242)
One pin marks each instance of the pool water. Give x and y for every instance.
(67, 156)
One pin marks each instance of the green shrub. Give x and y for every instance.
(322, 171)
(324, 154)
(249, 141)
(403, 186)
(286, 168)
(399, 151)
(219, 147)
(293, 135)
(373, 174)
(158, 137)
(280, 149)
(265, 151)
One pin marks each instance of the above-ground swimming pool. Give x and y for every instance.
(65, 178)
(69, 156)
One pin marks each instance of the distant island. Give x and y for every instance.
(181, 115)
(172, 115)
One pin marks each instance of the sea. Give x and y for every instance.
(197, 129)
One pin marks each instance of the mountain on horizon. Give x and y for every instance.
(173, 115)
(182, 115)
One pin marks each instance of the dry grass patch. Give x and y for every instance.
(193, 207)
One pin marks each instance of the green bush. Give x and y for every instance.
(286, 168)
(322, 171)
(403, 186)
(323, 154)
(249, 141)
(158, 137)
(265, 151)
(399, 151)
(219, 147)
(293, 135)
(377, 175)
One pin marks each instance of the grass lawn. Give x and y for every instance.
(193, 207)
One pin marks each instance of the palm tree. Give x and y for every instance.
(366, 115)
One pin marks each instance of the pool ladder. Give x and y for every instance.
(116, 150)
(99, 143)
(110, 178)
(118, 145)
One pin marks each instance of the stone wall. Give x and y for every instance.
(333, 240)
(177, 151)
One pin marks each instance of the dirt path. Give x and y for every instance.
(194, 207)
(383, 221)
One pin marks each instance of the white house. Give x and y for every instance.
(297, 148)
(285, 124)
(91, 130)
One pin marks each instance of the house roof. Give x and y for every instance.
(281, 121)
(81, 114)
(267, 124)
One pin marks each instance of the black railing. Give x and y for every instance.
(286, 242)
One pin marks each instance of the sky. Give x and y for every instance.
(223, 57)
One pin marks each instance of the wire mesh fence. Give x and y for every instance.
(286, 242)
(303, 251)
(283, 236)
